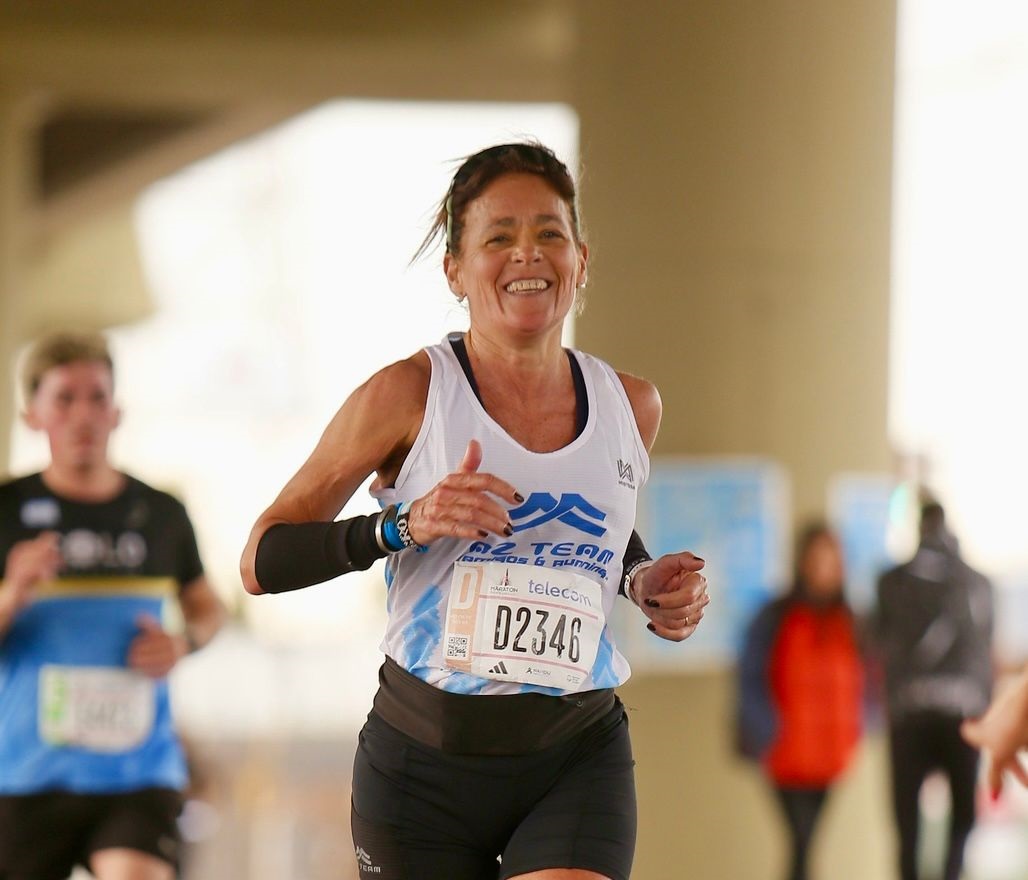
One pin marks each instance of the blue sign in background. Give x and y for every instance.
(733, 513)
(861, 511)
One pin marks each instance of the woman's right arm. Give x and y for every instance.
(372, 432)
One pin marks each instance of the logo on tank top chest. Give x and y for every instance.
(571, 509)
(625, 475)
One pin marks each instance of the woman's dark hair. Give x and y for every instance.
(811, 533)
(481, 169)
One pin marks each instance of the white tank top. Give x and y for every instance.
(578, 514)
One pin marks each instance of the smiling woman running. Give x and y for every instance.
(508, 469)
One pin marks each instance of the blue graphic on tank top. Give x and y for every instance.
(424, 632)
(603, 669)
(463, 683)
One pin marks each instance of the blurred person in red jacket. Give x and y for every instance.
(801, 689)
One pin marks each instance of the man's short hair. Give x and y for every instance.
(933, 517)
(61, 349)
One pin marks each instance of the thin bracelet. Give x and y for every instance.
(641, 565)
(380, 522)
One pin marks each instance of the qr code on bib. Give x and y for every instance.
(457, 647)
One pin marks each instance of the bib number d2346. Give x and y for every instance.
(97, 708)
(523, 623)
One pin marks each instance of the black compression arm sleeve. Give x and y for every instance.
(291, 556)
(635, 552)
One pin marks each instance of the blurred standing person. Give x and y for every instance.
(90, 765)
(508, 468)
(801, 689)
(934, 623)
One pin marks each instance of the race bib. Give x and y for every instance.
(523, 623)
(96, 708)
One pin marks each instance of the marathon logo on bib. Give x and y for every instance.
(102, 709)
(520, 623)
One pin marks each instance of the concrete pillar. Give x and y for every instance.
(741, 231)
(736, 192)
(15, 197)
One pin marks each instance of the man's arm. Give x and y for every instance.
(27, 564)
(154, 652)
(203, 611)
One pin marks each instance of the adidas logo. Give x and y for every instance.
(500, 669)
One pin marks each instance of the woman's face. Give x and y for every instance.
(821, 568)
(519, 264)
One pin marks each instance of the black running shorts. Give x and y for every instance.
(43, 836)
(419, 813)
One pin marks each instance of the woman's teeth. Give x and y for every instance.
(527, 284)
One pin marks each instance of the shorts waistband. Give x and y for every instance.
(483, 724)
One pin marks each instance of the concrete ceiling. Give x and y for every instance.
(78, 142)
(124, 93)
